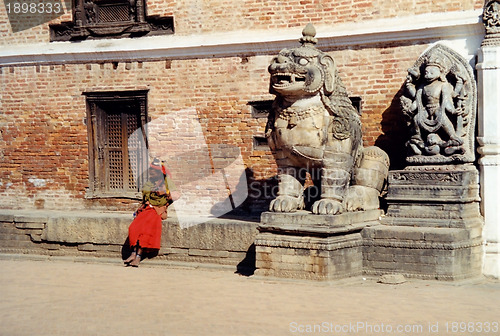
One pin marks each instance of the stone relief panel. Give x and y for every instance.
(439, 102)
(491, 20)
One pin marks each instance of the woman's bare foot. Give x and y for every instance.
(130, 259)
(136, 261)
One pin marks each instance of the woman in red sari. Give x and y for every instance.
(144, 232)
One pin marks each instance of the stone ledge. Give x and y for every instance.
(422, 252)
(217, 235)
(306, 223)
(6, 217)
(423, 245)
(267, 239)
(104, 233)
(30, 225)
(416, 234)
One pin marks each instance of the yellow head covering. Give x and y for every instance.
(156, 199)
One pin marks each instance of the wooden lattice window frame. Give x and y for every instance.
(97, 19)
(113, 117)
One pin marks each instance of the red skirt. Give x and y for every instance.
(146, 229)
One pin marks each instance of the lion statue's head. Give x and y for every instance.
(302, 71)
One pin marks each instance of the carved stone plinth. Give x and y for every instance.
(433, 225)
(301, 245)
(434, 196)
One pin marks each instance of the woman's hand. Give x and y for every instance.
(175, 195)
(161, 211)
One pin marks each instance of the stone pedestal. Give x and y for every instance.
(301, 245)
(433, 225)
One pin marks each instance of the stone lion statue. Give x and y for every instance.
(313, 128)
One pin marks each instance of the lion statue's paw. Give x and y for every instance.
(286, 204)
(359, 198)
(353, 202)
(327, 207)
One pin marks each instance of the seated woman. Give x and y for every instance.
(145, 230)
(144, 233)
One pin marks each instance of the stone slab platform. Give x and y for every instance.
(305, 223)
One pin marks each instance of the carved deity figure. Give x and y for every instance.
(313, 128)
(438, 103)
(432, 104)
(90, 14)
(491, 20)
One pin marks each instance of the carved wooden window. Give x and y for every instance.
(117, 149)
(93, 19)
(103, 11)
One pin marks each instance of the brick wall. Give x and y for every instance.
(197, 16)
(44, 139)
(44, 155)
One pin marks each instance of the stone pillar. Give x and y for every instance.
(488, 72)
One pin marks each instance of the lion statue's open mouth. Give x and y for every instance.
(286, 79)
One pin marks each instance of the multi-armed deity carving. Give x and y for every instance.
(440, 103)
(314, 128)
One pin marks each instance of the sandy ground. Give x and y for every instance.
(71, 297)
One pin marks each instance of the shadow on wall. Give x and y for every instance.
(395, 133)
(259, 195)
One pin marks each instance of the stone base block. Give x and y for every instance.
(306, 246)
(314, 258)
(422, 252)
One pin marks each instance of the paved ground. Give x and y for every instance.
(89, 297)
